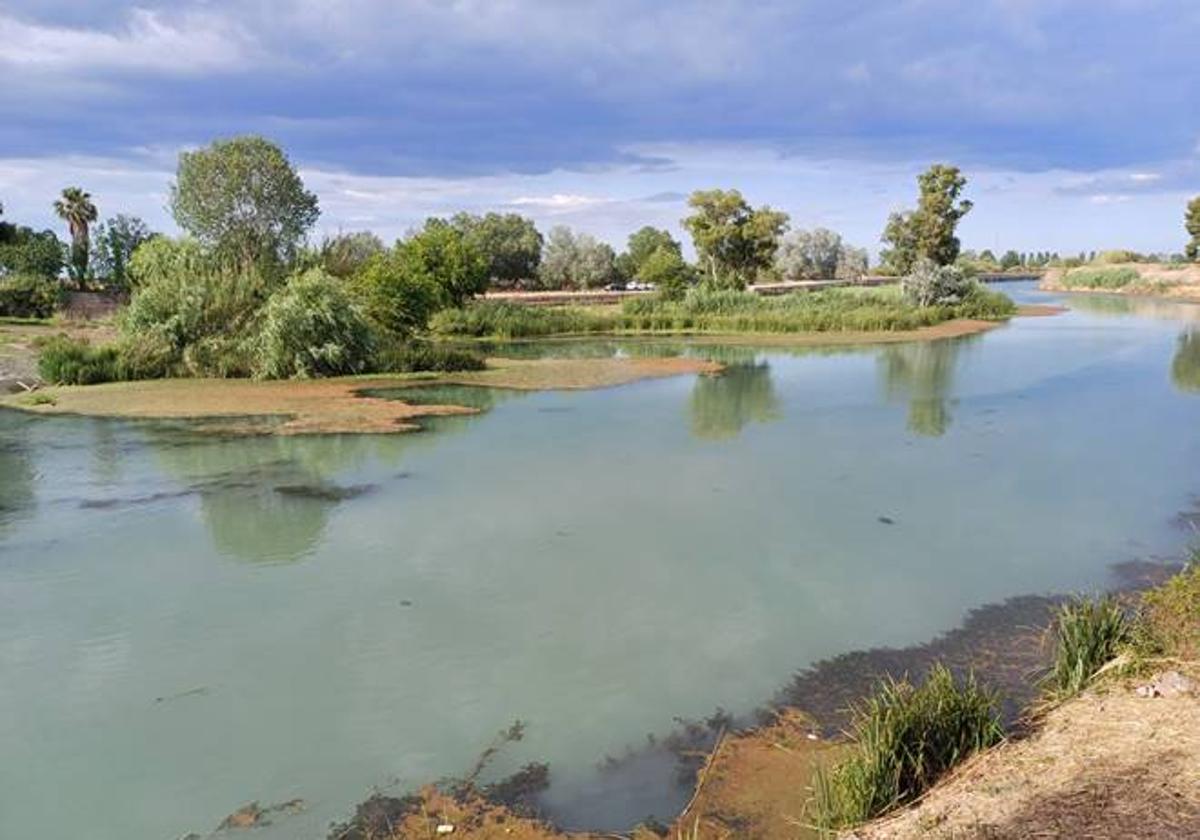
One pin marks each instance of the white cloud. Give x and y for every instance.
(191, 43)
(558, 201)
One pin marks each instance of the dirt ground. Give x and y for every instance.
(1108, 764)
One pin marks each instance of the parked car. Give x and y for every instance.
(615, 287)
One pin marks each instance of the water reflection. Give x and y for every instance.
(266, 498)
(16, 482)
(722, 405)
(1185, 367)
(1159, 309)
(923, 374)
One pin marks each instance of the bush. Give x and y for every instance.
(1168, 618)
(1088, 633)
(67, 361)
(311, 328)
(935, 285)
(501, 319)
(63, 360)
(1100, 278)
(397, 296)
(424, 356)
(29, 296)
(905, 738)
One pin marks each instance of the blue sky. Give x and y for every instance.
(1077, 122)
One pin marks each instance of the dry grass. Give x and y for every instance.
(1104, 765)
(320, 406)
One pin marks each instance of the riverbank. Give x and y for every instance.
(1173, 281)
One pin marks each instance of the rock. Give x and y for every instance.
(445, 828)
(247, 816)
(1168, 684)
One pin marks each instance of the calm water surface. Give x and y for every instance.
(188, 623)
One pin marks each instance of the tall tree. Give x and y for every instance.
(734, 241)
(510, 243)
(929, 231)
(575, 261)
(809, 254)
(643, 243)
(1192, 222)
(243, 198)
(113, 247)
(75, 207)
(442, 253)
(347, 253)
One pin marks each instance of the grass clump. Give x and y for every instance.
(1100, 278)
(905, 738)
(504, 320)
(1168, 617)
(427, 356)
(1088, 633)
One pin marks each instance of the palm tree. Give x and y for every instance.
(76, 208)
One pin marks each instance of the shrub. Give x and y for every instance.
(1100, 278)
(1168, 618)
(904, 739)
(935, 285)
(1116, 256)
(1088, 632)
(29, 296)
(67, 361)
(422, 356)
(397, 297)
(502, 319)
(311, 328)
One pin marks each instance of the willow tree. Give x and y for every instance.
(75, 207)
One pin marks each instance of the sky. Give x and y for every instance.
(1077, 122)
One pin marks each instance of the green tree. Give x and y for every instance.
(666, 270)
(644, 243)
(735, 242)
(243, 198)
(1011, 259)
(113, 247)
(1192, 222)
(26, 251)
(511, 244)
(929, 231)
(575, 261)
(442, 252)
(76, 208)
(396, 293)
(345, 254)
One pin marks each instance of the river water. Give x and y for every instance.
(190, 622)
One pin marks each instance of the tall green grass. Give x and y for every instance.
(905, 738)
(1088, 633)
(831, 310)
(1100, 278)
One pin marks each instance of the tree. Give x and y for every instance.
(113, 247)
(75, 207)
(1192, 222)
(666, 270)
(242, 198)
(809, 255)
(733, 240)
(852, 263)
(26, 251)
(346, 254)
(575, 261)
(929, 231)
(393, 295)
(643, 244)
(930, 284)
(442, 253)
(1011, 259)
(510, 243)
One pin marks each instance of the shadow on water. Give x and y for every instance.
(17, 477)
(923, 374)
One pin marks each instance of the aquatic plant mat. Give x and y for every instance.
(318, 406)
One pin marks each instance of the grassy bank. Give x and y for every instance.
(830, 310)
(1173, 280)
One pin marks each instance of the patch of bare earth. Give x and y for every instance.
(319, 406)
(1108, 764)
(756, 785)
